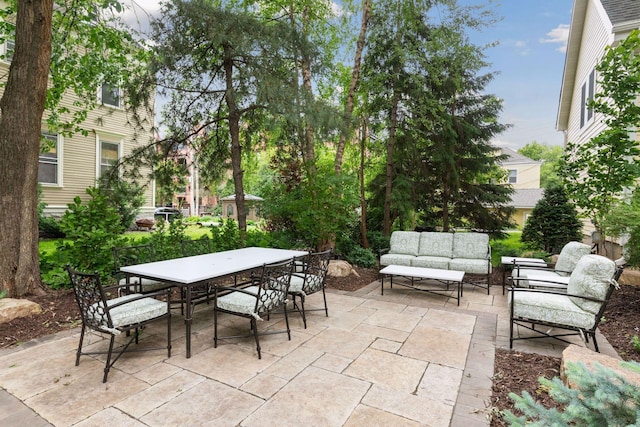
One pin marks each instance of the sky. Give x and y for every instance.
(529, 60)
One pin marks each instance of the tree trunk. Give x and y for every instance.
(236, 149)
(363, 200)
(21, 109)
(386, 227)
(355, 76)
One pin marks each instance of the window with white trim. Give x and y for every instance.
(109, 94)
(109, 155)
(7, 50)
(513, 176)
(49, 160)
(587, 92)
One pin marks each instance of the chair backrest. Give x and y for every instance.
(593, 278)
(570, 255)
(91, 299)
(191, 247)
(315, 271)
(273, 285)
(405, 242)
(131, 255)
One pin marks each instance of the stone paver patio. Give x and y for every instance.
(404, 359)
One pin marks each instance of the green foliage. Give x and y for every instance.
(126, 197)
(47, 226)
(601, 397)
(226, 236)
(91, 229)
(551, 156)
(553, 223)
(636, 343)
(598, 172)
(167, 238)
(377, 241)
(624, 220)
(315, 210)
(357, 255)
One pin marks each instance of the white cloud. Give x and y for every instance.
(559, 35)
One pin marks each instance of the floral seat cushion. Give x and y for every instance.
(592, 277)
(130, 313)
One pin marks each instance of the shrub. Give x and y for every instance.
(554, 222)
(91, 230)
(124, 196)
(601, 397)
(361, 257)
(226, 236)
(167, 238)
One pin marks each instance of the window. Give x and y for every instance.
(9, 47)
(587, 93)
(48, 163)
(109, 155)
(110, 95)
(513, 176)
(229, 210)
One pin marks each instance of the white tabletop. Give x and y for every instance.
(423, 272)
(200, 268)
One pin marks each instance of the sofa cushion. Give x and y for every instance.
(471, 266)
(396, 259)
(405, 242)
(570, 255)
(436, 244)
(591, 277)
(552, 308)
(431, 262)
(470, 245)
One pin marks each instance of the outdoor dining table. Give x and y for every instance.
(188, 272)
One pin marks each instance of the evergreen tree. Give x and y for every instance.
(553, 223)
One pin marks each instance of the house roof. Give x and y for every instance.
(623, 15)
(622, 11)
(249, 197)
(515, 157)
(526, 197)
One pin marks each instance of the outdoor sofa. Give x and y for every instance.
(461, 251)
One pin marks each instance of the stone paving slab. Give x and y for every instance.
(406, 358)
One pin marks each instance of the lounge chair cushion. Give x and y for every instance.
(405, 242)
(552, 308)
(570, 255)
(470, 245)
(592, 278)
(435, 244)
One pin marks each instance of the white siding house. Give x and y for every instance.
(595, 24)
(74, 163)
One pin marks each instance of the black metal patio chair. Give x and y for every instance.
(126, 313)
(267, 293)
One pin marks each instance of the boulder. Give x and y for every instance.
(575, 353)
(340, 268)
(11, 308)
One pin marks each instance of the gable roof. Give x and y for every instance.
(515, 157)
(623, 15)
(622, 11)
(526, 197)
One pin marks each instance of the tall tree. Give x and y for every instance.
(21, 108)
(86, 47)
(228, 66)
(599, 171)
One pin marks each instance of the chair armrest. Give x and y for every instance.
(233, 289)
(549, 292)
(166, 291)
(383, 251)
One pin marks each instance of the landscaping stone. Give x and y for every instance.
(340, 268)
(575, 354)
(12, 308)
